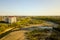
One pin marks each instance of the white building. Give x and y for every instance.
(10, 19)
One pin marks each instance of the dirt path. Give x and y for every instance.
(16, 35)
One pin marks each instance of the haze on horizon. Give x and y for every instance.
(29, 7)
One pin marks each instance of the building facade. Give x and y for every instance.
(10, 19)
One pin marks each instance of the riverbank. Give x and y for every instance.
(46, 24)
(43, 24)
(49, 24)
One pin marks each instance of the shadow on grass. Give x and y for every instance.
(3, 22)
(4, 34)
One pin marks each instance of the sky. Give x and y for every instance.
(30, 7)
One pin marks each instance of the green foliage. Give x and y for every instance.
(36, 35)
(3, 27)
(55, 19)
(28, 20)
